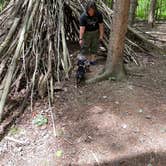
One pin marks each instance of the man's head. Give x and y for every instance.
(91, 8)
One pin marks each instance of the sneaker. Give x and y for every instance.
(92, 62)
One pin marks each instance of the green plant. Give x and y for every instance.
(143, 9)
(14, 130)
(40, 120)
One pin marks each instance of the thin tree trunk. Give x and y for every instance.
(151, 17)
(112, 4)
(133, 7)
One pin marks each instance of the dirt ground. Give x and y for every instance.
(100, 124)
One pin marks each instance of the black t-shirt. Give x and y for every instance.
(91, 23)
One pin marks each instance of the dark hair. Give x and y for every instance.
(91, 4)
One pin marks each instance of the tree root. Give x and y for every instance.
(112, 76)
(98, 78)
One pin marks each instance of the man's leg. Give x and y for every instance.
(86, 45)
(85, 50)
(94, 46)
(92, 59)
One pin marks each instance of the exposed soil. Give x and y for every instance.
(108, 123)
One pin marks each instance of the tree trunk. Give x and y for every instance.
(117, 40)
(133, 7)
(114, 65)
(151, 17)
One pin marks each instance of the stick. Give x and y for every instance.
(7, 40)
(15, 140)
(15, 57)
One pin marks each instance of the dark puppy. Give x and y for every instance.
(81, 70)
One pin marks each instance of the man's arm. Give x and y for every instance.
(101, 31)
(82, 31)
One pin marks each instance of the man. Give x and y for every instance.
(91, 31)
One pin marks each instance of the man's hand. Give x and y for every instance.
(101, 39)
(81, 42)
(101, 45)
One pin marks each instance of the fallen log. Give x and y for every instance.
(146, 44)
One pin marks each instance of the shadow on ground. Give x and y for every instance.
(145, 159)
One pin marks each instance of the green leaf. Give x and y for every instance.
(163, 130)
(149, 164)
(59, 153)
(40, 120)
(14, 130)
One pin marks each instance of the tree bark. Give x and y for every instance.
(133, 7)
(151, 17)
(114, 65)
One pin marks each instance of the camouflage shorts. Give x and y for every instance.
(90, 43)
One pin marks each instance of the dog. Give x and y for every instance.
(82, 68)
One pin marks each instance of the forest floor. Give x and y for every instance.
(99, 124)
